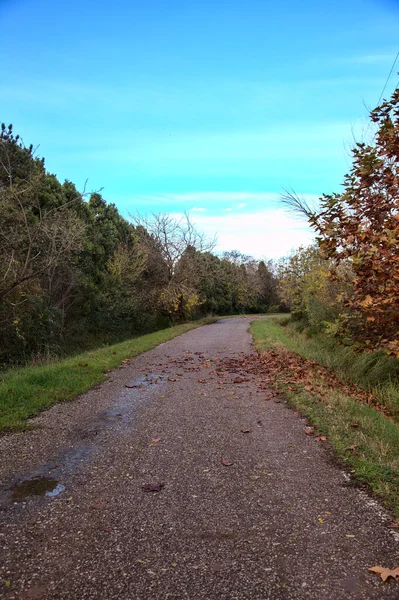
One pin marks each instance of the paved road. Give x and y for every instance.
(249, 507)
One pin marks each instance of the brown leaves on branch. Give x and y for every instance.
(360, 227)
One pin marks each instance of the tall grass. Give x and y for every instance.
(373, 371)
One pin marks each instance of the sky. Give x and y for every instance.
(211, 108)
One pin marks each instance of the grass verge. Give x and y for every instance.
(25, 391)
(373, 371)
(364, 438)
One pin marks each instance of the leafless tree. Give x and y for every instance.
(173, 236)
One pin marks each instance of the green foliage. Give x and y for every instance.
(73, 270)
(314, 297)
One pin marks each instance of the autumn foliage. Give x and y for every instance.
(358, 242)
(361, 226)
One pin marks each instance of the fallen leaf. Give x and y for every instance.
(351, 448)
(83, 364)
(9, 391)
(320, 438)
(227, 462)
(354, 424)
(153, 487)
(34, 593)
(308, 430)
(385, 573)
(99, 505)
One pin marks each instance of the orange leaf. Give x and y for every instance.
(385, 573)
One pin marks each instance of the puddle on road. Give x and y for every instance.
(124, 406)
(122, 411)
(37, 486)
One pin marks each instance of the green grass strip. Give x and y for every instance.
(26, 391)
(371, 448)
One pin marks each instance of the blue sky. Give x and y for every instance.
(208, 107)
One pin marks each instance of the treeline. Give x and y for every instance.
(347, 284)
(74, 272)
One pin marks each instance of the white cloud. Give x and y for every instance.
(265, 233)
(263, 229)
(270, 233)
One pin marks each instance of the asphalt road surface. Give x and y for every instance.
(182, 478)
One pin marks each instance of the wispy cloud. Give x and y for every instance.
(371, 58)
(262, 229)
(211, 201)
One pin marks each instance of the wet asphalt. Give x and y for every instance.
(182, 477)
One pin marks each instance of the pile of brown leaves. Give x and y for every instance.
(295, 372)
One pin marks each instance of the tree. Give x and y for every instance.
(312, 295)
(360, 228)
(173, 236)
(39, 239)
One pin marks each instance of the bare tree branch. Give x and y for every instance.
(297, 206)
